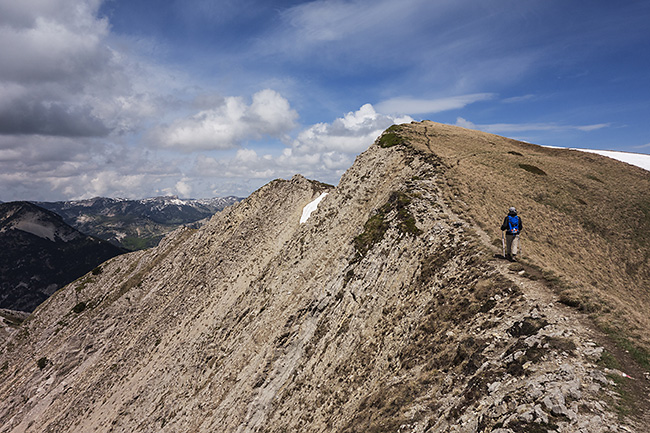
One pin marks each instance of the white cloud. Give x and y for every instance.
(351, 133)
(464, 123)
(517, 99)
(112, 181)
(57, 168)
(246, 164)
(505, 128)
(56, 66)
(353, 23)
(593, 127)
(63, 74)
(323, 151)
(229, 124)
(184, 188)
(428, 106)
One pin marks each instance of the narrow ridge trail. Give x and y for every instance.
(613, 385)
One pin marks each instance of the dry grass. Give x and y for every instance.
(586, 217)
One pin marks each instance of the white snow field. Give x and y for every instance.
(638, 159)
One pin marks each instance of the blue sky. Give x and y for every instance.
(198, 98)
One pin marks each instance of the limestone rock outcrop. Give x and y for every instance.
(386, 311)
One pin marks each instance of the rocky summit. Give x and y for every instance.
(387, 309)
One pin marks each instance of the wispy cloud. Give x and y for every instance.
(428, 106)
(507, 128)
(323, 21)
(517, 99)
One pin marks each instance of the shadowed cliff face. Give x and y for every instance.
(384, 311)
(39, 254)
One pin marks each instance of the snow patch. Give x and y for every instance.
(311, 207)
(638, 159)
(641, 160)
(32, 224)
(37, 229)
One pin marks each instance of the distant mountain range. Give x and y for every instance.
(41, 253)
(47, 245)
(135, 224)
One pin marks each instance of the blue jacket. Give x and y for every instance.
(506, 226)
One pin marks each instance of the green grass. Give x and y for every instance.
(639, 354)
(391, 137)
(625, 405)
(135, 244)
(377, 225)
(608, 360)
(373, 232)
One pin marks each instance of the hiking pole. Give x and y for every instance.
(503, 244)
(521, 247)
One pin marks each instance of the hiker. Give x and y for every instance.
(512, 226)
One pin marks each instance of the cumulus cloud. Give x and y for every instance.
(60, 75)
(229, 124)
(183, 187)
(322, 151)
(34, 116)
(56, 168)
(351, 133)
(54, 63)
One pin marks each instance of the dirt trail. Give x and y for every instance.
(632, 396)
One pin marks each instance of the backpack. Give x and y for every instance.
(513, 224)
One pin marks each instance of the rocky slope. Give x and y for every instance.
(10, 322)
(386, 311)
(40, 254)
(135, 224)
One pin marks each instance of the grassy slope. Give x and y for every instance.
(586, 218)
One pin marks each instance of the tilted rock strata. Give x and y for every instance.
(382, 312)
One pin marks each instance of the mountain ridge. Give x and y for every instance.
(385, 311)
(136, 224)
(41, 254)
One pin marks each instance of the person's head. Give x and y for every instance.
(512, 211)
